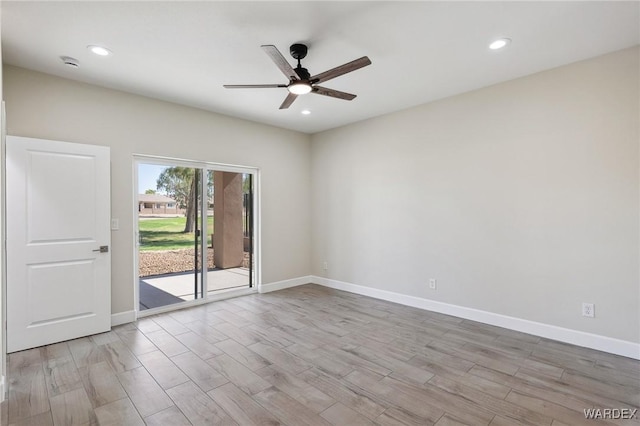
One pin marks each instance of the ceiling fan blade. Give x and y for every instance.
(253, 86)
(332, 93)
(280, 61)
(342, 69)
(288, 100)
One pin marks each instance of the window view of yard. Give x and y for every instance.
(167, 216)
(165, 248)
(167, 233)
(166, 220)
(163, 251)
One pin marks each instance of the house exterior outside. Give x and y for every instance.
(154, 204)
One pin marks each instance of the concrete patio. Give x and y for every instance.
(162, 290)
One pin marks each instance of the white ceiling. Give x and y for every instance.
(184, 52)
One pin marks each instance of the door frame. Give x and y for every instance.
(205, 166)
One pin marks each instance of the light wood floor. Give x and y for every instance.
(314, 356)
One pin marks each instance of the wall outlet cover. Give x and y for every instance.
(588, 310)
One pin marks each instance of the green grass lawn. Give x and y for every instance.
(166, 234)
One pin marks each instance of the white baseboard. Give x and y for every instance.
(280, 285)
(575, 337)
(123, 318)
(229, 294)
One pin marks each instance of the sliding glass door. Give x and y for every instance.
(168, 235)
(231, 231)
(195, 231)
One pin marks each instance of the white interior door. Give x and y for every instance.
(58, 214)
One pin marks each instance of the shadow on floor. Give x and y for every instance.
(153, 297)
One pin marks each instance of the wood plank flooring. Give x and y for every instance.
(314, 356)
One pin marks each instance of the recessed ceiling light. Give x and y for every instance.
(305, 112)
(499, 44)
(99, 50)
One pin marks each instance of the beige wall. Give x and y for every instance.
(47, 107)
(521, 199)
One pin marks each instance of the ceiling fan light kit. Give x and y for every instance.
(300, 80)
(299, 87)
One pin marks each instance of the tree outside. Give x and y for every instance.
(179, 184)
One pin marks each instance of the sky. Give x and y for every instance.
(147, 176)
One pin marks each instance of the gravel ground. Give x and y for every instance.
(170, 261)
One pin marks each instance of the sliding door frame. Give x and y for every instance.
(255, 278)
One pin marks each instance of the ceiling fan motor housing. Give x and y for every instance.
(298, 51)
(302, 73)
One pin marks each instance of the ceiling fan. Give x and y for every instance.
(300, 81)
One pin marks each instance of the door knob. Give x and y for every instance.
(103, 249)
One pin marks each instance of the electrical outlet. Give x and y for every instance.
(115, 224)
(432, 283)
(588, 310)
(325, 265)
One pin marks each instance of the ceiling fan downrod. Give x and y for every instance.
(299, 51)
